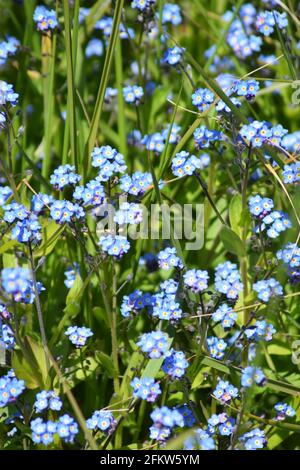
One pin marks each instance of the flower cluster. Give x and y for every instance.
(173, 55)
(203, 98)
(45, 18)
(7, 95)
(108, 160)
(266, 289)
(185, 164)
(175, 364)
(203, 136)
(227, 280)
(155, 344)
(18, 283)
(254, 439)
(168, 259)
(47, 400)
(226, 315)
(43, 432)
(165, 305)
(10, 388)
(133, 94)
(266, 21)
(164, 420)
(103, 420)
(260, 331)
(251, 375)
(135, 302)
(221, 423)
(145, 388)
(260, 133)
(78, 335)
(115, 246)
(291, 173)
(64, 176)
(216, 347)
(196, 280)
(283, 410)
(224, 391)
(8, 48)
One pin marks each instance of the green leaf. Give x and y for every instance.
(51, 234)
(279, 349)
(235, 211)
(232, 242)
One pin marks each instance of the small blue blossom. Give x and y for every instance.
(168, 259)
(45, 18)
(18, 283)
(173, 55)
(154, 344)
(283, 410)
(253, 440)
(109, 161)
(266, 289)
(40, 201)
(94, 48)
(164, 420)
(7, 94)
(261, 330)
(129, 213)
(64, 211)
(222, 423)
(145, 388)
(7, 337)
(92, 194)
(227, 280)
(136, 184)
(175, 364)
(67, 428)
(216, 347)
(115, 246)
(266, 20)
(70, 275)
(203, 136)
(102, 420)
(10, 388)
(226, 315)
(196, 280)
(43, 431)
(225, 391)
(185, 164)
(15, 211)
(203, 98)
(47, 400)
(291, 173)
(78, 335)
(64, 176)
(154, 142)
(201, 440)
(135, 302)
(133, 94)
(251, 375)
(171, 13)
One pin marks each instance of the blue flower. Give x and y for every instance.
(168, 259)
(254, 439)
(44, 18)
(135, 302)
(266, 20)
(47, 400)
(284, 410)
(222, 423)
(64, 176)
(7, 337)
(203, 98)
(94, 48)
(173, 55)
(247, 88)
(78, 335)
(225, 391)
(203, 137)
(43, 432)
(226, 315)
(165, 306)
(10, 388)
(136, 184)
(145, 388)
(64, 211)
(7, 94)
(115, 246)
(216, 347)
(108, 160)
(185, 164)
(196, 280)
(133, 94)
(70, 275)
(92, 194)
(154, 142)
(227, 280)
(39, 201)
(261, 330)
(291, 173)
(200, 440)
(103, 420)
(164, 420)
(129, 213)
(187, 414)
(18, 283)
(27, 230)
(267, 288)
(67, 428)
(251, 375)
(154, 344)
(171, 13)
(175, 364)
(142, 5)
(15, 211)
